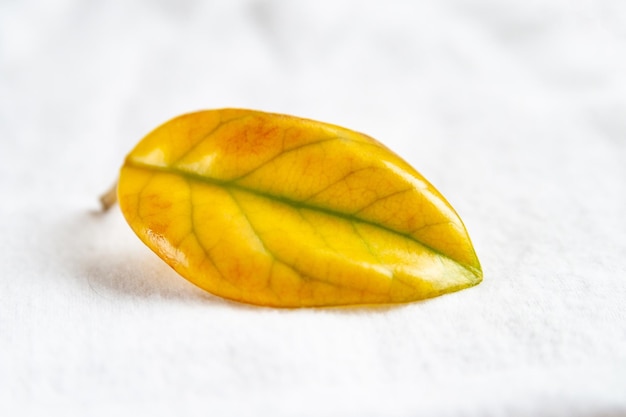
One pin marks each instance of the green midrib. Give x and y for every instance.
(475, 270)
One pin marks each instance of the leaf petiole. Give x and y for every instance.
(109, 198)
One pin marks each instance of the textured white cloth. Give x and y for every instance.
(515, 110)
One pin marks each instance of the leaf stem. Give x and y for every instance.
(109, 198)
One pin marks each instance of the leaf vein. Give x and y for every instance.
(230, 185)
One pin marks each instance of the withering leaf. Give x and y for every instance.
(282, 211)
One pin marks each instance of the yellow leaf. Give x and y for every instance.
(280, 211)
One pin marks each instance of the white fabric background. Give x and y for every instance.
(515, 110)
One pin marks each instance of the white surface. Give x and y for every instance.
(516, 111)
